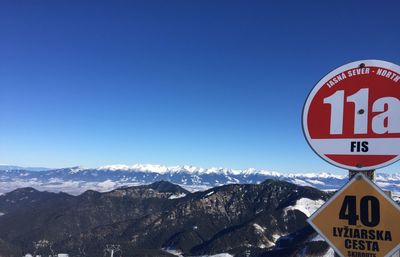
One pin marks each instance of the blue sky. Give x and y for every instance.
(205, 83)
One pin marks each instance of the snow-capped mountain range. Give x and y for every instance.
(75, 180)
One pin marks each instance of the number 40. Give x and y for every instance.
(386, 121)
(369, 210)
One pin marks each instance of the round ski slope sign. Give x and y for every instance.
(351, 118)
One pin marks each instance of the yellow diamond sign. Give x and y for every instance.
(360, 220)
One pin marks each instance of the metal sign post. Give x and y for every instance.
(368, 173)
(350, 119)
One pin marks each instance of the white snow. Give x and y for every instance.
(317, 238)
(219, 255)
(179, 253)
(163, 169)
(76, 169)
(195, 188)
(384, 184)
(154, 168)
(258, 228)
(177, 196)
(276, 237)
(329, 253)
(396, 196)
(301, 182)
(209, 194)
(106, 185)
(316, 182)
(114, 167)
(316, 175)
(306, 206)
(173, 251)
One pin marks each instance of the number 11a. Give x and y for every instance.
(385, 122)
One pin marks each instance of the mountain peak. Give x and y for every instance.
(165, 186)
(162, 169)
(24, 190)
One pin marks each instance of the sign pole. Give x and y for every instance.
(368, 173)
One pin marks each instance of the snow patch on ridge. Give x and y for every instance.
(301, 183)
(209, 194)
(177, 196)
(306, 206)
(179, 253)
(317, 238)
(219, 255)
(173, 251)
(329, 253)
(258, 228)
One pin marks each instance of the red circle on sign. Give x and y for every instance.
(351, 118)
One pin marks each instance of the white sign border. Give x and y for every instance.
(321, 83)
(356, 177)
